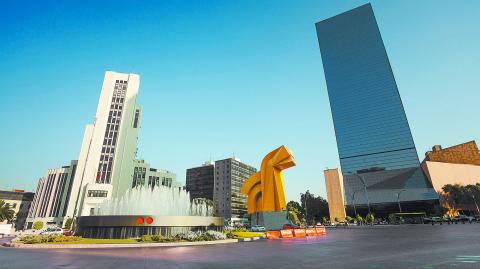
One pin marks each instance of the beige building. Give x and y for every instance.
(459, 164)
(334, 185)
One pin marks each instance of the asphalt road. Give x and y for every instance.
(416, 246)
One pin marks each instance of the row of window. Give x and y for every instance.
(97, 193)
(111, 132)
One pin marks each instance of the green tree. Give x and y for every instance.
(314, 207)
(294, 212)
(38, 225)
(370, 218)
(463, 196)
(349, 219)
(359, 219)
(68, 223)
(6, 213)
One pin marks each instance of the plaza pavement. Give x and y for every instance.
(412, 246)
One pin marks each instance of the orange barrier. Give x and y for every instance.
(299, 232)
(272, 235)
(286, 233)
(310, 232)
(321, 230)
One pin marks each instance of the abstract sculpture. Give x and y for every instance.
(265, 188)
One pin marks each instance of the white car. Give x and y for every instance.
(257, 228)
(53, 231)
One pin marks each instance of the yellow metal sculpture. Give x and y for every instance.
(265, 188)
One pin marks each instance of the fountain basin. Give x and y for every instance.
(132, 226)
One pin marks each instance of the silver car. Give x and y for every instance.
(52, 231)
(257, 228)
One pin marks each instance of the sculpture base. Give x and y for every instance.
(270, 220)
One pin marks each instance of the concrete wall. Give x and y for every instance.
(440, 173)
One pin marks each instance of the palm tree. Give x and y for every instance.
(6, 213)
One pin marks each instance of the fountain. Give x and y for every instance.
(142, 210)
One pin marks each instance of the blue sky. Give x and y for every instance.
(220, 78)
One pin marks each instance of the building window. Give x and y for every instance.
(97, 193)
(135, 121)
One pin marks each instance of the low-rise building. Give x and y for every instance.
(455, 165)
(152, 177)
(20, 201)
(459, 164)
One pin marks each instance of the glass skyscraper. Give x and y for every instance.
(378, 158)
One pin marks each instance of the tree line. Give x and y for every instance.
(311, 209)
(455, 198)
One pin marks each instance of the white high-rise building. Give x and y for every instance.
(106, 161)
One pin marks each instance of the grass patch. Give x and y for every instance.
(247, 234)
(99, 241)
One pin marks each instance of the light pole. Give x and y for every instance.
(365, 189)
(398, 200)
(306, 209)
(354, 207)
(475, 201)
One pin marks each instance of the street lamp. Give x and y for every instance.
(398, 200)
(364, 188)
(353, 199)
(475, 201)
(306, 209)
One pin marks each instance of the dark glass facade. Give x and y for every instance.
(200, 182)
(378, 158)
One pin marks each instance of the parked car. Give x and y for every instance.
(67, 232)
(290, 226)
(433, 220)
(257, 228)
(52, 231)
(463, 218)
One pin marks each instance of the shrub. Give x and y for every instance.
(370, 217)
(63, 238)
(38, 225)
(229, 234)
(39, 239)
(146, 238)
(68, 223)
(189, 236)
(30, 239)
(216, 235)
(158, 238)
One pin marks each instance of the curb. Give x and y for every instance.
(250, 239)
(139, 245)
